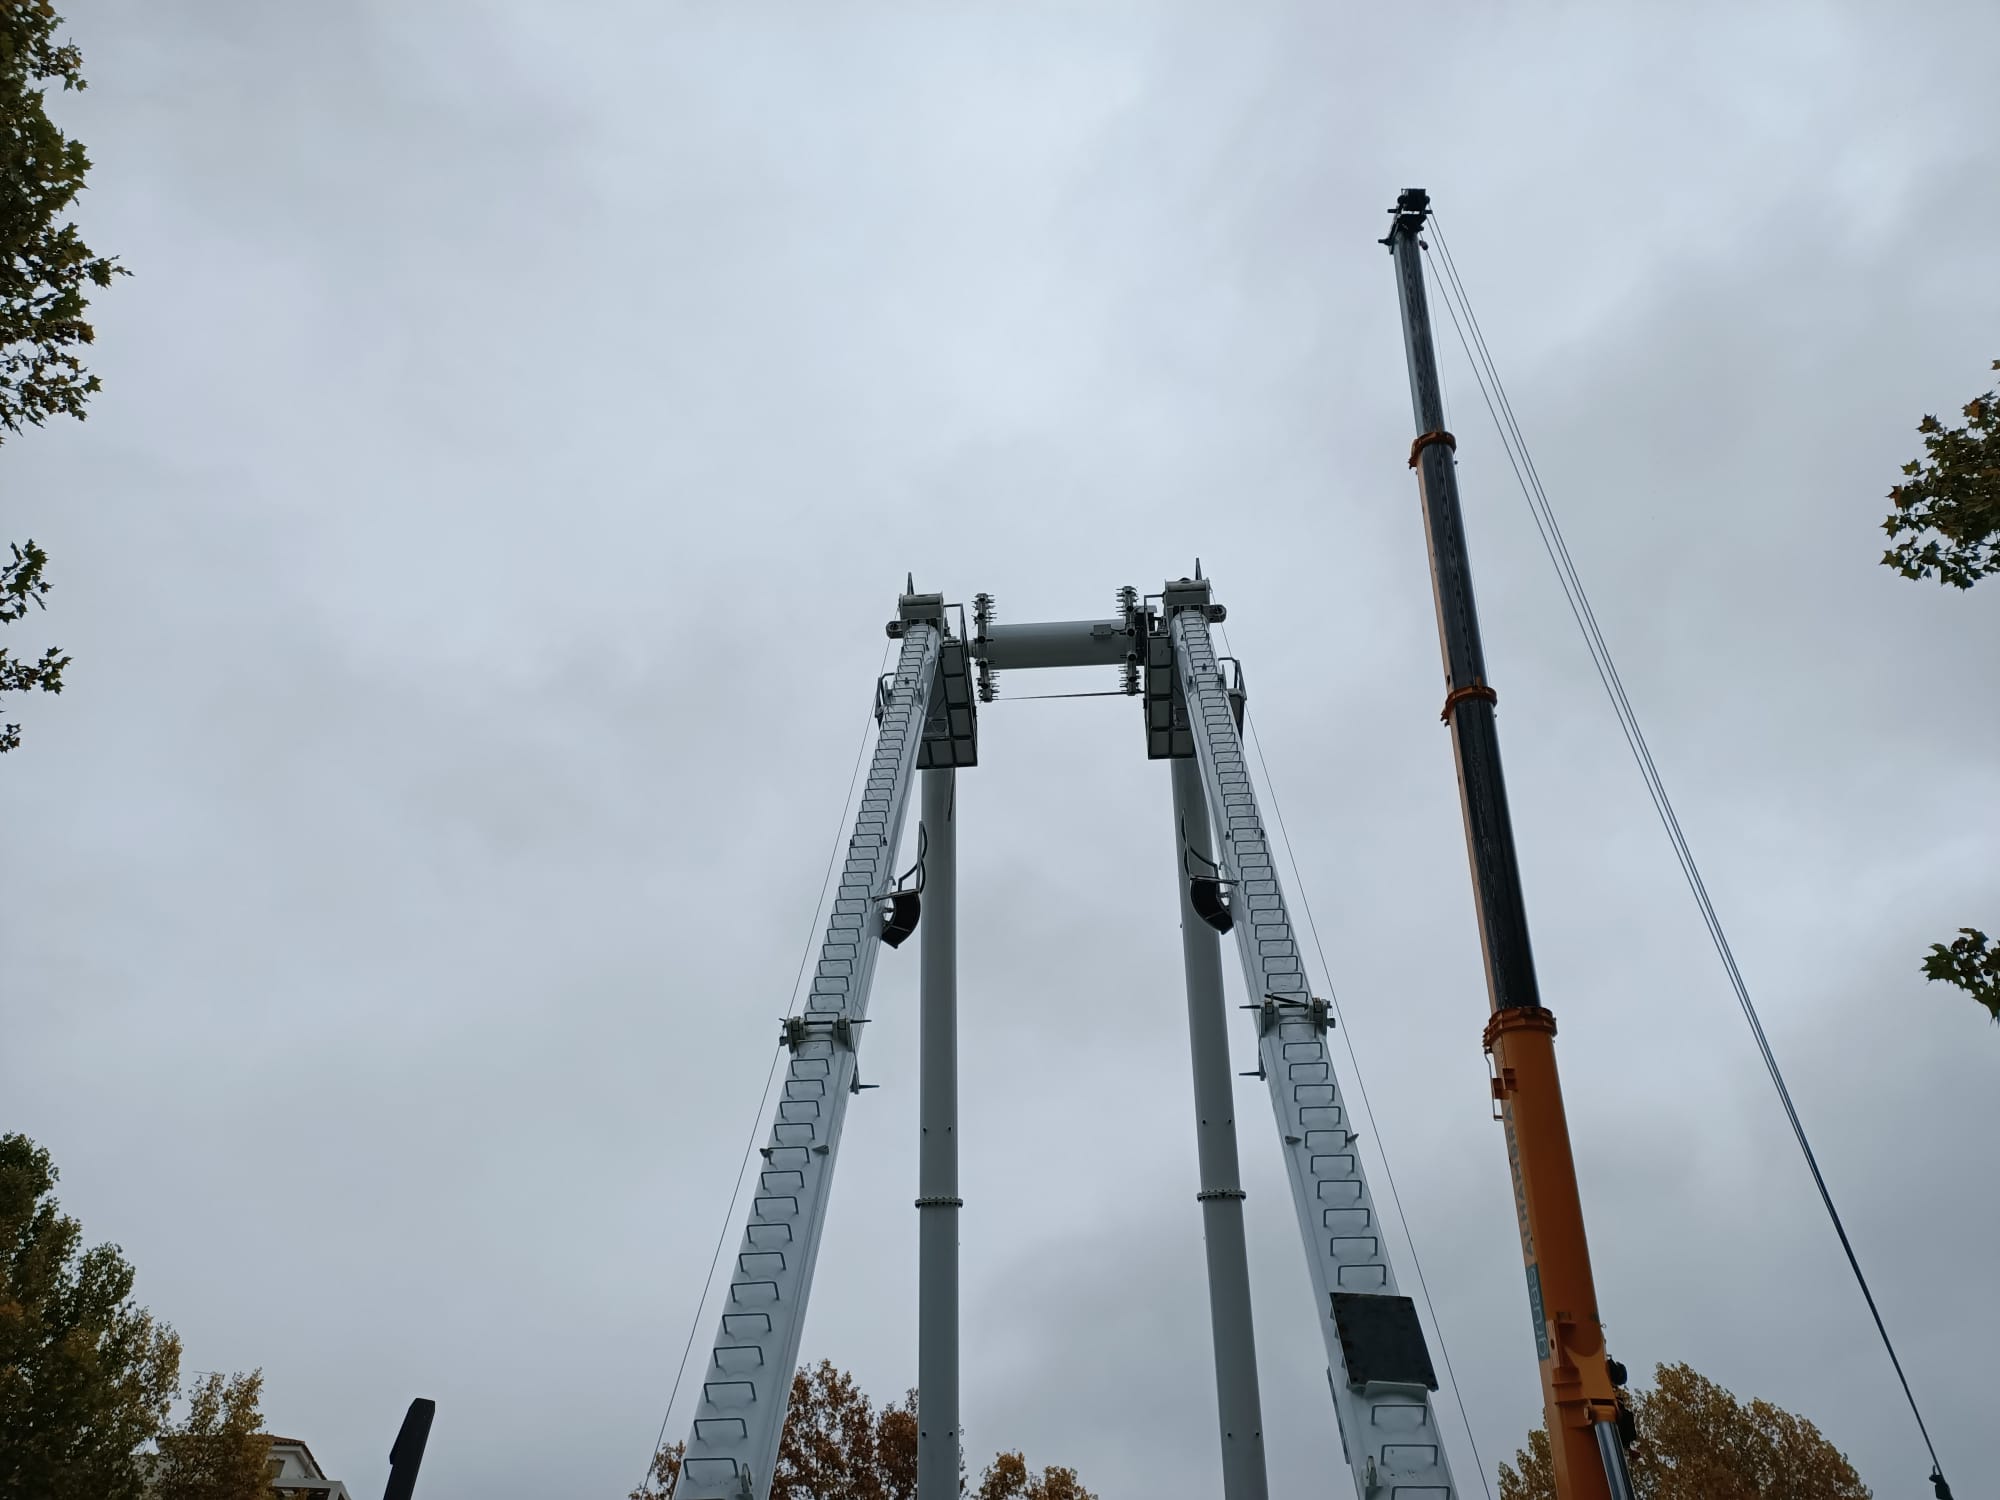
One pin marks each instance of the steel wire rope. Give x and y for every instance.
(1360, 1086)
(1043, 697)
(756, 1122)
(1452, 289)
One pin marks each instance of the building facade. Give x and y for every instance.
(296, 1474)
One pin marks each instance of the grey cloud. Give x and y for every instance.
(511, 444)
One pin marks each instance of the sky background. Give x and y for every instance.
(515, 432)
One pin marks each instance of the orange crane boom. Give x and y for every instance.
(1580, 1382)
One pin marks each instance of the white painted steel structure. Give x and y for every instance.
(1379, 1371)
(1387, 1428)
(741, 1415)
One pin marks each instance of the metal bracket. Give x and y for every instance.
(1317, 1011)
(1168, 733)
(796, 1031)
(1138, 623)
(986, 682)
(951, 733)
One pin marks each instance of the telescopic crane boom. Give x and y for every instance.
(1579, 1379)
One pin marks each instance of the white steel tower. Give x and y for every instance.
(1378, 1368)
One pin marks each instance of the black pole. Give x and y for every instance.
(407, 1455)
(1469, 698)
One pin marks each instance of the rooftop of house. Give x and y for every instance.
(297, 1446)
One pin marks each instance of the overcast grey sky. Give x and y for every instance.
(516, 430)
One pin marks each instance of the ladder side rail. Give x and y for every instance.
(1388, 1429)
(733, 1443)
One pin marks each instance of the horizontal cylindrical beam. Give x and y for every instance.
(1058, 643)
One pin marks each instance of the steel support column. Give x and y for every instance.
(1238, 1406)
(937, 1159)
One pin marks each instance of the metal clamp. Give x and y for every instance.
(796, 1031)
(1472, 690)
(1318, 1012)
(1425, 440)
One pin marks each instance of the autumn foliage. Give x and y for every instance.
(216, 1452)
(1698, 1442)
(87, 1376)
(45, 267)
(1971, 962)
(1946, 524)
(838, 1446)
(1009, 1478)
(46, 273)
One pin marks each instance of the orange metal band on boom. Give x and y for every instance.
(1418, 445)
(1456, 696)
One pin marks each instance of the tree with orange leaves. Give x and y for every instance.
(837, 1446)
(1698, 1442)
(1009, 1478)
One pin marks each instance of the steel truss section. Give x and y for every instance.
(1378, 1368)
(746, 1385)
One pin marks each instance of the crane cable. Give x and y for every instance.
(1360, 1087)
(764, 1099)
(1452, 290)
